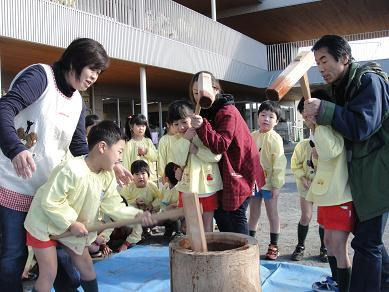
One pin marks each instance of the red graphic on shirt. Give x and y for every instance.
(209, 177)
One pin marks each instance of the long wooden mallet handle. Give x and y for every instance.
(171, 214)
(194, 222)
(297, 70)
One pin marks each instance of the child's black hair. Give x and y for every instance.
(271, 106)
(139, 166)
(170, 172)
(106, 131)
(180, 109)
(300, 106)
(90, 120)
(138, 119)
(317, 93)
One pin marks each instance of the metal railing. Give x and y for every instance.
(174, 21)
(280, 55)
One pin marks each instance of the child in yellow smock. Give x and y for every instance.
(70, 201)
(330, 190)
(142, 193)
(140, 146)
(166, 149)
(199, 171)
(170, 199)
(273, 162)
(303, 165)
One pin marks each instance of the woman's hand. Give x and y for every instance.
(190, 133)
(196, 121)
(24, 164)
(123, 175)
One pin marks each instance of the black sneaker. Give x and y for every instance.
(323, 255)
(298, 253)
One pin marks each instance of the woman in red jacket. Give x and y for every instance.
(222, 129)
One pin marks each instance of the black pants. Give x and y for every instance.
(233, 221)
(369, 267)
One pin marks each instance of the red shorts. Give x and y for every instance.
(339, 217)
(34, 242)
(209, 204)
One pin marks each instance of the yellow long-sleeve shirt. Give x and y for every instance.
(150, 194)
(299, 165)
(330, 185)
(169, 196)
(74, 193)
(165, 152)
(272, 157)
(201, 174)
(130, 154)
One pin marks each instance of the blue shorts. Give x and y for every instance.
(265, 194)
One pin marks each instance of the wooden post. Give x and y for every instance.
(194, 222)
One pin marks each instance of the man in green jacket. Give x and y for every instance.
(359, 112)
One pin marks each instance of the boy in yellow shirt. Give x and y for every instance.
(273, 162)
(330, 190)
(303, 165)
(70, 201)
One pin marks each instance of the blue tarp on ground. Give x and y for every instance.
(146, 268)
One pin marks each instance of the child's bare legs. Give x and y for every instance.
(274, 222)
(272, 214)
(47, 262)
(302, 228)
(208, 221)
(306, 211)
(255, 213)
(336, 242)
(83, 263)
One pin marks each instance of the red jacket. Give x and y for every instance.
(228, 134)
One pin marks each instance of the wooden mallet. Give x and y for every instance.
(191, 211)
(296, 71)
(205, 90)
